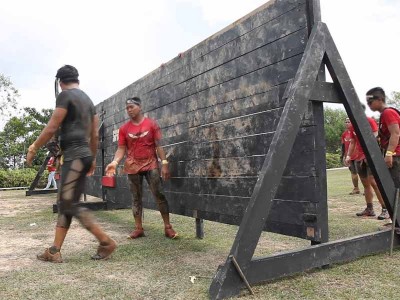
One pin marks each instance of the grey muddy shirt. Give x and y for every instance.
(75, 128)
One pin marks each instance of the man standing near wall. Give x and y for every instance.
(139, 139)
(346, 138)
(76, 115)
(389, 132)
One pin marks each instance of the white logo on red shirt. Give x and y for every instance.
(136, 136)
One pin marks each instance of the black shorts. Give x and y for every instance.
(352, 167)
(362, 168)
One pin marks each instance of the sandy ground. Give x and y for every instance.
(23, 237)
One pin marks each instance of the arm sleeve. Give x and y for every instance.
(373, 124)
(156, 132)
(122, 136)
(391, 117)
(62, 100)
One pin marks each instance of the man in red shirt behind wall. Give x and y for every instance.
(345, 139)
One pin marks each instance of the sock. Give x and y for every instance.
(53, 250)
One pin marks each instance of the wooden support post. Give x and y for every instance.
(199, 228)
(39, 174)
(396, 203)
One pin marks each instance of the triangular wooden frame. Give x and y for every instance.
(227, 282)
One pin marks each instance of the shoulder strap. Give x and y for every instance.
(380, 134)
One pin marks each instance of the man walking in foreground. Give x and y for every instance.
(139, 139)
(76, 115)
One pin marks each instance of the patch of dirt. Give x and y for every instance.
(23, 242)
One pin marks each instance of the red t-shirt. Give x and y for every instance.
(50, 165)
(346, 138)
(360, 152)
(140, 142)
(388, 117)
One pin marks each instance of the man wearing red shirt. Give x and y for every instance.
(367, 179)
(389, 132)
(52, 172)
(139, 139)
(346, 138)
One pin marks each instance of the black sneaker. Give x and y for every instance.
(384, 215)
(367, 212)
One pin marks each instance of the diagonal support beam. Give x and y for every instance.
(226, 282)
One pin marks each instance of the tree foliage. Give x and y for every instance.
(334, 127)
(394, 100)
(8, 95)
(18, 133)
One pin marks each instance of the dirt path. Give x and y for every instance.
(27, 228)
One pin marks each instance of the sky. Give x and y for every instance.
(114, 43)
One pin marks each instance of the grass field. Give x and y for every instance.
(158, 268)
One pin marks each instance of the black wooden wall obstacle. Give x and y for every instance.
(227, 281)
(246, 144)
(218, 105)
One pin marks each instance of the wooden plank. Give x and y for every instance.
(250, 145)
(220, 72)
(251, 22)
(292, 262)
(321, 189)
(40, 192)
(325, 92)
(265, 101)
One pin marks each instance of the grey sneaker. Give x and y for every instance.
(384, 215)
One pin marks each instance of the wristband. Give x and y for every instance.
(389, 153)
(115, 162)
(348, 157)
(164, 162)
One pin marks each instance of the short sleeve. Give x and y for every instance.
(353, 134)
(156, 131)
(391, 117)
(122, 136)
(62, 100)
(373, 124)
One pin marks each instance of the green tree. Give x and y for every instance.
(334, 127)
(18, 134)
(8, 95)
(394, 100)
